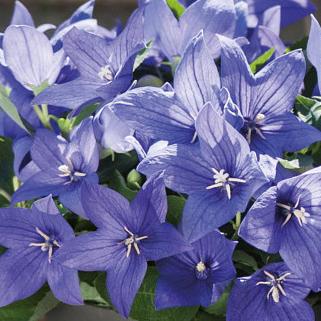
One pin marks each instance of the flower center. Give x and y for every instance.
(252, 127)
(106, 73)
(48, 245)
(132, 241)
(223, 180)
(276, 285)
(67, 171)
(297, 211)
(201, 271)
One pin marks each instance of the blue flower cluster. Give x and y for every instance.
(176, 90)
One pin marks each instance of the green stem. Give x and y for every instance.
(5, 195)
(236, 226)
(43, 115)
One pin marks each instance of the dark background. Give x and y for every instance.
(107, 12)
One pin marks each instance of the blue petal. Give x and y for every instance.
(156, 113)
(124, 279)
(261, 227)
(21, 15)
(314, 47)
(196, 78)
(22, 273)
(64, 283)
(46, 205)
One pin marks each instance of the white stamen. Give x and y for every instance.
(132, 241)
(200, 267)
(259, 118)
(222, 179)
(300, 213)
(106, 73)
(67, 171)
(276, 285)
(48, 245)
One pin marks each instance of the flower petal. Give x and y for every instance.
(21, 15)
(22, 273)
(124, 279)
(64, 283)
(261, 227)
(196, 77)
(156, 113)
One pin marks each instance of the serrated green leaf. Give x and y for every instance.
(176, 7)
(175, 208)
(257, 64)
(144, 310)
(10, 109)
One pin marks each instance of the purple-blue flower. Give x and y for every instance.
(170, 113)
(291, 10)
(273, 293)
(60, 167)
(219, 174)
(172, 36)
(33, 237)
(196, 277)
(285, 219)
(314, 48)
(105, 67)
(128, 235)
(266, 100)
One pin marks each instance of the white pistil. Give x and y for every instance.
(299, 213)
(66, 171)
(106, 73)
(258, 119)
(200, 267)
(276, 285)
(222, 179)
(48, 245)
(132, 241)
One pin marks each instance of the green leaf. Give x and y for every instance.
(142, 55)
(309, 110)
(91, 295)
(203, 316)
(10, 109)
(219, 307)
(175, 208)
(176, 7)
(31, 309)
(144, 310)
(47, 303)
(257, 64)
(85, 113)
(289, 164)
(118, 183)
(100, 284)
(243, 258)
(6, 170)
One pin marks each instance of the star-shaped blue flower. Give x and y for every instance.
(219, 174)
(196, 277)
(285, 219)
(60, 167)
(128, 235)
(273, 293)
(33, 237)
